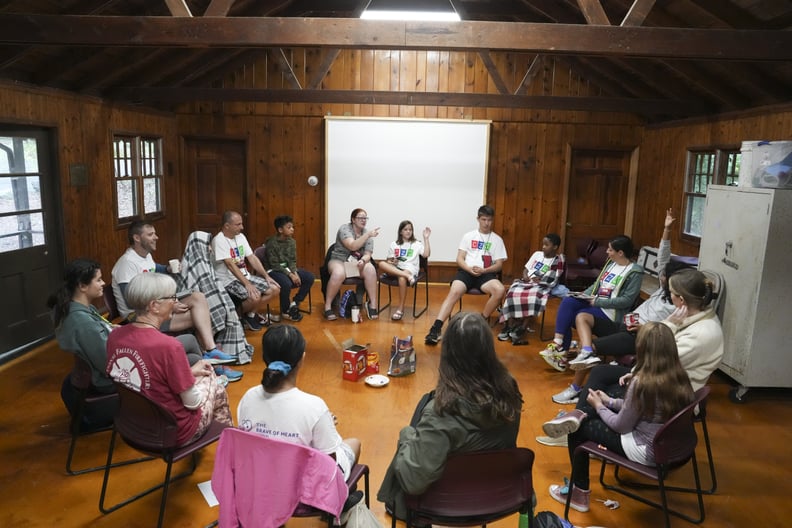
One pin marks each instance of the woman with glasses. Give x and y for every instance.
(153, 364)
(354, 243)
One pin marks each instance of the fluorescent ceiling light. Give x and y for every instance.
(415, 10)
(429, 16)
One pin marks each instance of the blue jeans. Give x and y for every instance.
(565, 317)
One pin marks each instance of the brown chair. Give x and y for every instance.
(270, 456)
(674, 447)
(476, 488)
(149, 428)
(423, 276)
(261, 253)
(80, 378)
(578, 269)
(112, 307)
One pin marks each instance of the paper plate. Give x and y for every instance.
(377, 380)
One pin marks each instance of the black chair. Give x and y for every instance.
(261, 253)
(390, 281)
(80, 379)
(579, 268)
(476, 291)
(149, 428)
(476, 488)
(674, 447)
(324, 277)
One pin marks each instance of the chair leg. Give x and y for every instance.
(70, 457)
(416, 315)
(379, 297)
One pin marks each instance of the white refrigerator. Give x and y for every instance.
(747, 238)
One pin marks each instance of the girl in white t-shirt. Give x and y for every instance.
(403, 260)
(278, 409)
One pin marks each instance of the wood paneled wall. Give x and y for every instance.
(528, 148)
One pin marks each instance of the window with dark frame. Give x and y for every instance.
(706, 167)
(138, 177)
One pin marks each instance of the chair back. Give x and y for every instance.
(81, 376)
(480, 485)
(718, 291)
(599, 257)
(110, 303)
(261, 254)
(676, 441)
(143, 423)
(585, 246)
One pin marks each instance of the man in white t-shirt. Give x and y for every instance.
(190, 311)
(480, 257)
(233, 255)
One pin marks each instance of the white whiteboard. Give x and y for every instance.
(432, 172)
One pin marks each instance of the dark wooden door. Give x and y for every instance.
(31, 246)
(216, 181)
(597, 198)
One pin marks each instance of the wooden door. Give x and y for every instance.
(597, 196)
(31, 245)
(215, 171)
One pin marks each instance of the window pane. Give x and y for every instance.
(127, 199)
(151, 195)
(21, 231)
(694, 213)
(18, 155)
(20, 193)
(732, 175)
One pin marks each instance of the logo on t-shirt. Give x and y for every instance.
(402, 253)
(480, 245)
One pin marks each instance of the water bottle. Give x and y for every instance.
(523, 520)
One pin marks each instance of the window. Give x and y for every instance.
(704, 168)
(21, 211)
(137, 163)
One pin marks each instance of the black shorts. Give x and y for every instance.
(472, 282)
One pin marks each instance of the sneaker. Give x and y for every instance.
(563, 425)
(275, 318)
(558, 362)
(587, 363)
(251, 323)
(568, 395)
(505, 334)
(519, 337)
(433, 337)
(217, 357)
(294, 313)
(580, 498)
(553, 350)
(561, 441)
(231, 375)
(582, 356)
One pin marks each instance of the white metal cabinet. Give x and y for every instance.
(747, 237)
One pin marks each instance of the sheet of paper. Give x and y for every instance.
(208, 494)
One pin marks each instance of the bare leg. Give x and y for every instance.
(495, 289)
(337, 276)
(584, 322)
(197, 317)
(457, 290)
(402, 276)
(369, 276)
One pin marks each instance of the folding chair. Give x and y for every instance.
(476, 488)
(423, 276)
(674, 447)
(148, 427)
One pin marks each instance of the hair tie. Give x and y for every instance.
(280, 366)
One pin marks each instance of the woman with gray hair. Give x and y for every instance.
(153, 364)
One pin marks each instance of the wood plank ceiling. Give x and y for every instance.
(661, 59)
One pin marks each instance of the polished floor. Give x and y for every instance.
(751, 440)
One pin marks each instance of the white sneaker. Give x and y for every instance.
(585, 364)
(561, 441)
(568, 395)
(582, 356)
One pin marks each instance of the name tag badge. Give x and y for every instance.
(604, 292)
(487, 260)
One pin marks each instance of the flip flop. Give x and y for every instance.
(329, 315)
(397, 315)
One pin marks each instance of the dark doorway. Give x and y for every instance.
(31, 245)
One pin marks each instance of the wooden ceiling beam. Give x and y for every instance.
(647, 107)
(593, 12)
(637, 13)
(233, 32)
(178, 8)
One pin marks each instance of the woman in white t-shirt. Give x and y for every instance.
(278, 409)
(403, 260)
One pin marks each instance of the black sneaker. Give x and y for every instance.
(251, 323)
(433, 337)
(294, 313)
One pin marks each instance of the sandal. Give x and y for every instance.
(371, 312)
(330, 315)
(397, 315)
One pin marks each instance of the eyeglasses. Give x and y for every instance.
(169, 298)
(361, 218)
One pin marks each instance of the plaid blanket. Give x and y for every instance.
(198, 274)
(525, 299)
